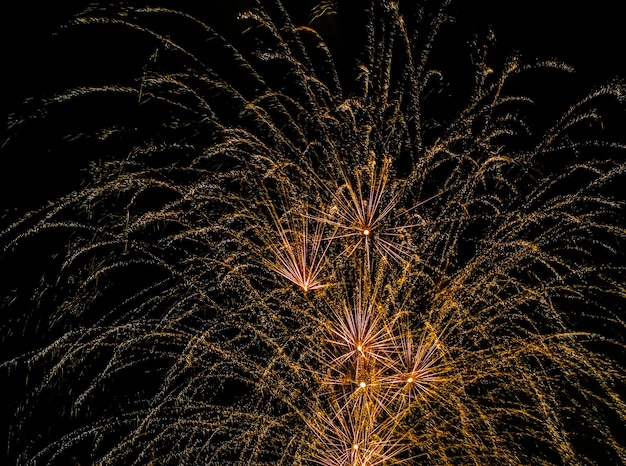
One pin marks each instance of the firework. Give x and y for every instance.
(284, 262)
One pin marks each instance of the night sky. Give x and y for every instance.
(35, 61)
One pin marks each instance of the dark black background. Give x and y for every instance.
(589, 35)
(35, 62)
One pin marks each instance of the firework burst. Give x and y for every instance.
(362, 211)
(289, 260)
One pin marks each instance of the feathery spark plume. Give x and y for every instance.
(285, 253)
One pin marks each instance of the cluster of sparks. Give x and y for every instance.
(298, 266)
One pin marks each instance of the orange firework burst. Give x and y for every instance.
(299, 250)
(365, 210)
